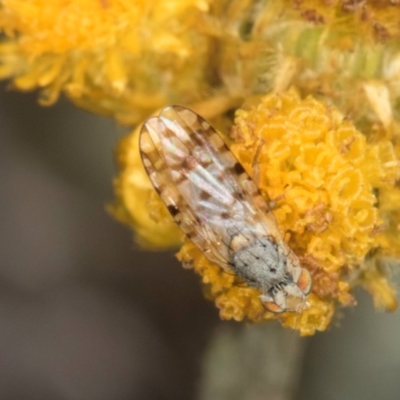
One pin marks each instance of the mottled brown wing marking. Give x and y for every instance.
(180, 123)
(189, 163)
(173, 210)
(223, 157)
(203, 170)
(259, 201)
(216, 184)
(250, 188)
(152, 157)
(197, 173)
(199, 132)
(238, 169)
(161, 177)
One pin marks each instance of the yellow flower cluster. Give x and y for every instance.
(343, 52)
(330, 177)
(127, 58)
(325, 177)
(118, 58)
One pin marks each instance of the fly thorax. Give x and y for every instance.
(261, 263)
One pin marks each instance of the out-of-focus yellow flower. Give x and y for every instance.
(344, 52)
(330, 212)
(119, 58)
(128, 58)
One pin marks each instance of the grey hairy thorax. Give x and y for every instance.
(261, 263)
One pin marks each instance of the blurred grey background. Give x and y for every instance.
(85, 314)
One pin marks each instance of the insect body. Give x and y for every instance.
(218, 206)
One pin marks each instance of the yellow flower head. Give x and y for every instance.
(325, 178)
(127, 58)
(114, 57)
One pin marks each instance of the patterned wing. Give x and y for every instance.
(161, 177)
(205, 188)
